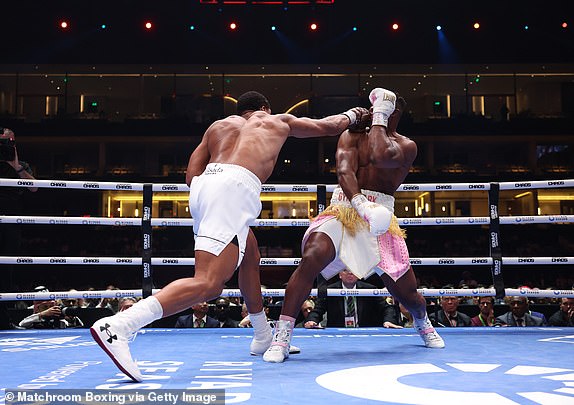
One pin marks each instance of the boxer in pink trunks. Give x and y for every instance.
(358, 229)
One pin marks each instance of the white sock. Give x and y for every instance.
(259, 323)
(142, 313)
(422, 323)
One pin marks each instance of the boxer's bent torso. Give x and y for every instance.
(216, 221)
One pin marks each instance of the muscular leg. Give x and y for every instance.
(318, 253)
(249, 276)
(405, 291)
(211, 274)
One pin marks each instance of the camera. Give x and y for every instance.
(70, 311)
(7, 149)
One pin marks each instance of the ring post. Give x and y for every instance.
(321, 205)
(494, 232)
(147, 281)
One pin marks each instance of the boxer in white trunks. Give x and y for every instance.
(358, 230)
(224, 173)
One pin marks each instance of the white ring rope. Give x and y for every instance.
(289, 188)
(431, 221)
(272, 261)
(331, 292)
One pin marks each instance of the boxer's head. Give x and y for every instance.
(252, 101)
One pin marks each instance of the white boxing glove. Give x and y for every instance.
(383, 102)
(377, 216)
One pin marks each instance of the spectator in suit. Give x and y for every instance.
(223, 315)
(396, 316)
(565, 315)
(348, 311)
(448, 316)
(197, 319)
(518, 314)
(486, 315)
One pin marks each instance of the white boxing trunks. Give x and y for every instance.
(223, 201)
(355, 247)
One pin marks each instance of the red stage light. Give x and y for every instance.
(148, 25)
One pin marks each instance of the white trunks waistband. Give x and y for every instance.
(387, 201)
(238, 172)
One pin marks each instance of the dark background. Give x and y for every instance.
(32, 35)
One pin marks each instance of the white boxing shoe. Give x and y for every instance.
(113, 337)
(428, 334)
(432, 339)
(259, 345)
(279, 349)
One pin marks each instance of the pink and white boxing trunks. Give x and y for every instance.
(360, 251)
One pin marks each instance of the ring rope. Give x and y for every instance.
(267, 188)
(331, 292)
(278, 261)
(288, 222)
(429, 221)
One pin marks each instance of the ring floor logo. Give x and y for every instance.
(454, 383)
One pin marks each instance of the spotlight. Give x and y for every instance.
(476, 26)
(232, 26)
(103, 26)
(313, 27)
(192, 27)
(64, 25)
(355, 28)
(526, 27)
(148, 25)
(438, 28)
(564, 24)
(395, 26)
(273, 28)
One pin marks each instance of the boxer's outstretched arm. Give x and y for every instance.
(332, 125)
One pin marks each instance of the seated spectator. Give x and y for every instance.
(448, 316)
(486, 314)
(396, 317)
(198, 319)
(246, 322)
(518, 314)
(110, 303)
(125, 303)
(565, 315)
(534, 313)
(223, 315)
(349, 311)
(306, 308)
